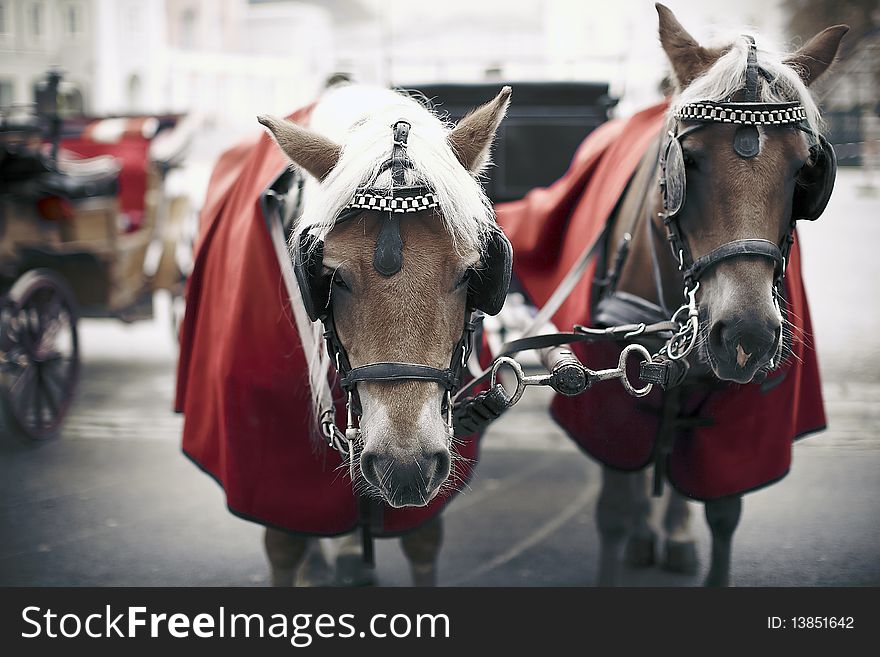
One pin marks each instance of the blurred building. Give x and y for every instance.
(231, 59)
(851, 99)
(35, 35)
(225, 59)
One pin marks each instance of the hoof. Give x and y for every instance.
(641, 551)
(351, 571)
(315, 571)
(680, 557)
(424, 574)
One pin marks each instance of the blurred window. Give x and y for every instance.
(134, 93)
(36, 20)
(7, 92)
(188, 29)
(73, 20)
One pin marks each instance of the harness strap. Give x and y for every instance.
(389, 371)
(735, 249)
(565, 288)
(399, 160)
(650, 230)
(388, 254)
(752, 71)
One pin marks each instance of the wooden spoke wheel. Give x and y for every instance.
(39, 353)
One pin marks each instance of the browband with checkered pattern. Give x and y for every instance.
(397, 201)
(743, 113)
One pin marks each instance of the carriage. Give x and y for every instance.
(86, 230)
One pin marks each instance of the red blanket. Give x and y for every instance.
(242, 381)
(749, 442)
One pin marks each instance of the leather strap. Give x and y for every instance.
(734, 249)
(752, 71)
(565, 288)
(398, 372)
(399, 160)
(388, 254)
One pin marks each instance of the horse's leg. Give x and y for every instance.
(723, 517)
(314, 569)
(285, 553)
(421, 546)
(641, 546)
(680, 554)
(350, 567)
(613, 516)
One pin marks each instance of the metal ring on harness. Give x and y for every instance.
(620, 371)
(518, 372)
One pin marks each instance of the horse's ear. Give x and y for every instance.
(816, 56)
(313, 152)
(471, 139)
(688, 58)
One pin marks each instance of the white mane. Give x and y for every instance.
(360, 119)
(727, 76)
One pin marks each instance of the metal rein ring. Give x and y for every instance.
(621, 365)
(518, 372)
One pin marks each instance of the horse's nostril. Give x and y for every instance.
(406, 481)
(436, 469)
(372, 468)
(717, 337)
(744, 342)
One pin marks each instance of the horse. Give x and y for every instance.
(394, 250)
(739, 156)
(745, 185)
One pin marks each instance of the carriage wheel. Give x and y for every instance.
(39, 353)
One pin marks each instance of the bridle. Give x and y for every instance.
(397, 202)
(747, 115)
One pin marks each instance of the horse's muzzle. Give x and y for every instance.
(740, 347)
(406, 482)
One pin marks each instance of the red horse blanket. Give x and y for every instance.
(749, 443)
(242, 382)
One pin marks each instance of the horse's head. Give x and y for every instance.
(398, 288)
(740, 184)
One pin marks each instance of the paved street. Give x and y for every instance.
(113, 501)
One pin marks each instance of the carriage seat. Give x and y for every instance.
(87, 168)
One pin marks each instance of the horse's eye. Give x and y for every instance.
(689, 160)
(339, 282)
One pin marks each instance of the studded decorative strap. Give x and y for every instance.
(401, 200)
(743, 113)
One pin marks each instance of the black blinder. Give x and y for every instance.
(674, 179)
(815, 182)
(488, 285)
(314, 287)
